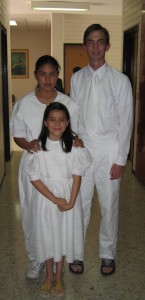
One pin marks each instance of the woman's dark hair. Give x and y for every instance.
(95, 27)
(67, 136)
(47, 59)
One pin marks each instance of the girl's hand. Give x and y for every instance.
(34, 146)
(60, 201)
(64, 207)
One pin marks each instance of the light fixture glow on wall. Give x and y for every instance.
(13, 23)
(60, 5)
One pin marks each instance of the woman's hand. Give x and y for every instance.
(33, 146)
(78, 142)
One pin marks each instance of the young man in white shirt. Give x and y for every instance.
(105, 126)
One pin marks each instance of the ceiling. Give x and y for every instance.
(28, 19)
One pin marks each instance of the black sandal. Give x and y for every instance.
(108, 263)
(75, 263)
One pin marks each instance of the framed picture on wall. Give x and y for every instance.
(20, 63)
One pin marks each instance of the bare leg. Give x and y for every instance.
(47, 284)
(59, 289)
(59, 267)
(49, 270)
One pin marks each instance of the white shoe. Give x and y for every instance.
(34, 269)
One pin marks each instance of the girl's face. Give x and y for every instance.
(46, 77)
(56, 124)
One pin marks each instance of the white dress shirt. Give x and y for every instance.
(114, 108)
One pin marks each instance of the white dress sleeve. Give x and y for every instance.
(82, 161)
(31, 166)
(17, 124)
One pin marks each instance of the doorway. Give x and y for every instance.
(130, 49)
(74, 56)
(5, 99)
(140, 150)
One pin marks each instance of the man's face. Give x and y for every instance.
(96, 47)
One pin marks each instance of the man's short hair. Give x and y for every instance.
(95, 27)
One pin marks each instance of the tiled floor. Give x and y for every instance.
(128, 283)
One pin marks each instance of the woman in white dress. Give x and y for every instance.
(56, 221)
(26, 122)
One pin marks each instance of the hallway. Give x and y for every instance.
(128, 283)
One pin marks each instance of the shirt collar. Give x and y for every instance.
(99, 72)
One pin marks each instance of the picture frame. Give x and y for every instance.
(20, 63)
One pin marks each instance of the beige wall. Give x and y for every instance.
(132, 13)
(57, 38)
(38, 43)
(4, 20)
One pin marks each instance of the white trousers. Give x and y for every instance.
(103, 156)
(25, 193)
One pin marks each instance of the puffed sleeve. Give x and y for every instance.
(31, 166)
(81, 161)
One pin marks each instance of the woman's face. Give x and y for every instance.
(46, 77)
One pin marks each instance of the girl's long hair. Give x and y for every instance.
(67, 136)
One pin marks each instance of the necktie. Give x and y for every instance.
(92, 106)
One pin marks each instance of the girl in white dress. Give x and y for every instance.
(56, 221)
